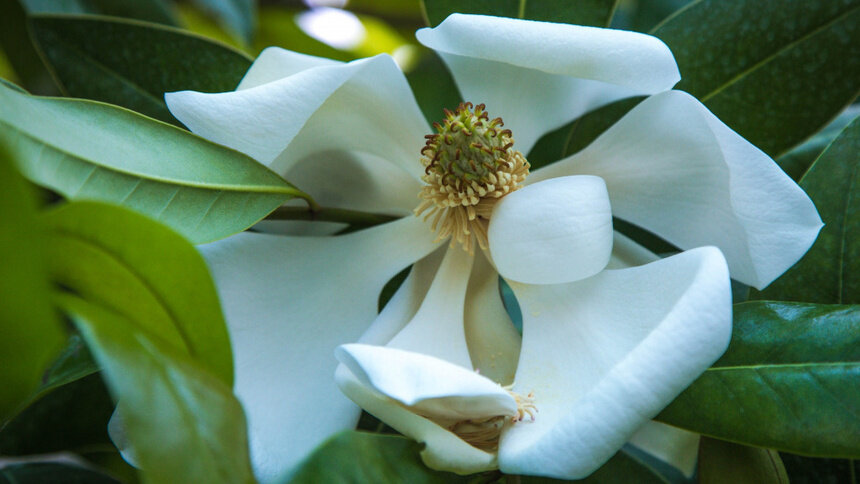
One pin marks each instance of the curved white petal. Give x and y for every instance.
(430, 386)
(437, 329)
(275, 63)
(628, 253)
(365, 105)
(559, 230)
(675, 169)
(289, 302)
(494, 342)
(443, 449)
(605, 354)
(540, 75)
(677, 447)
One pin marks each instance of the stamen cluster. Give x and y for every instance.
(484, 433)
(469, 164)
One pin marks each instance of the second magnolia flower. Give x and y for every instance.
(602, 352)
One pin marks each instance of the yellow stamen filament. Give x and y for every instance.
(469, 166)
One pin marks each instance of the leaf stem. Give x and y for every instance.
(316, 213)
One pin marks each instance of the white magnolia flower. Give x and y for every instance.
(351, 135)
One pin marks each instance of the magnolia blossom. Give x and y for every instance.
(602, 351)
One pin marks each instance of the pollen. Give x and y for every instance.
(484, 433)
(469, 165)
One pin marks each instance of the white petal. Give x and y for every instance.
(494, 342)
(430, 386)
(628, 253)
(606, 354)
(365, 105)
(289, 302)
(438, 328)
(540, 75)
(559, 230)
(675, 169)
(276, 63)
(677, 447)
(443, 449)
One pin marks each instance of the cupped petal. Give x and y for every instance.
(275, 63)
(494, 342)
(540, 75)
(437, 329)
(673, 168)
(430, 386)
(289, 302)
(443, 449)
(365, 105)
(605, 354)
(559, 230)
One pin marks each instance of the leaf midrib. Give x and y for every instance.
(783, 365)
(166, 181)
(773, 55)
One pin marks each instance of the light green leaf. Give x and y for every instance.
(364, 457)
(184, 424)
(52, 472)
(278, 27)
(132, 64)
(89, 150)
(237, 15)
(582, 12)
(143, 271)
(774, 71)
(788, 381)
(159, 11)
(722, 462)
(31, 332)
(830, 272)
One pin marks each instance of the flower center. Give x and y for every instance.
(469, 165)
(484, 433)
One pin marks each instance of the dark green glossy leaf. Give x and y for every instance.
(582, 12)
(89, 150)
(643, 15)
(160, 11)
(31, 333)
(236, 15)
(72, 417)
(788, 381)
(796, 162)
(142, 270)
(774, 71)
(52, 473)
(815, 470)
(722, 462)
(132, 64)
(433, 86)
(363, 457)
(830, 271)
(16, 44)
(184, 424)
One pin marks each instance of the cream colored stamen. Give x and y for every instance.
(469, 165)
(484, 433)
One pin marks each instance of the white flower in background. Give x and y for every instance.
(601, 354)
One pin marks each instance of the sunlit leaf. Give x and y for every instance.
(237, 15)
(89, 150)
(788, 381)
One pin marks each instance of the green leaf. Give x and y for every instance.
(788, 381)
(128, 263)
(582, 12)
(643, 15)
(796, 162)
(53, 473)
(774, 71)
(278, 27)
(723, 462)
(830, 271)
(16, 44)
(132, 64)
(89, 150)
(184, 424)
(363, 457)
(159, 11)
(433, 86)
(236, 15)
(31, 333)
(814, 470)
